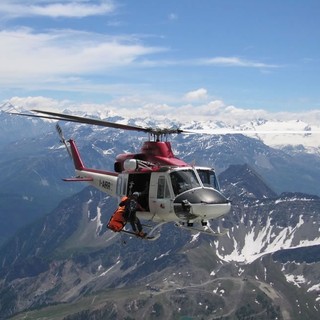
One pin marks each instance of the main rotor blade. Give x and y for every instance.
(224, 131)
(67, 117)
(157, 131)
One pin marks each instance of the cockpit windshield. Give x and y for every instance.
(183, 180)
(208, 178)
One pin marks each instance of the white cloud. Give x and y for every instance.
(234, 62)
(142, 106)
(28, 55)
(54, 9)
(199, 94)
(30, 59)
(39, 102)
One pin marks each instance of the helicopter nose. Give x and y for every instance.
(202, 195)
(204, 203)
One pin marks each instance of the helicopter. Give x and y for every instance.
(170, 190)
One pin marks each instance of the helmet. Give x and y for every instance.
(136, 194)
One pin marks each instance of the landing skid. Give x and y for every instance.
(147, 237)
(204, 229)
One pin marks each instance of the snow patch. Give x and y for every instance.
(297, 280)
(195, 237)
(99, 223)
(162, 255)
(265, 240)
(105, 272)
(315, 287)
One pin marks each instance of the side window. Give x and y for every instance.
(124, 186)
(163, 189)
(119, 185)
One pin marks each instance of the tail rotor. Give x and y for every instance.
(62, 139)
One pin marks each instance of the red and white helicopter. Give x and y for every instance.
(170, 189)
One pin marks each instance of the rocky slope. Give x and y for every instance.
(67, 266)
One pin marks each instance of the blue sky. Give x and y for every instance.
(252, 55)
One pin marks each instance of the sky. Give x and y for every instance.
(179, 57)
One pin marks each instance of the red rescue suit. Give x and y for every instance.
(117, 220)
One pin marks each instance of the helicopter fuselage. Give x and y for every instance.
(168, 192)
(175, 194)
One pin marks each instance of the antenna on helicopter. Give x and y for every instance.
(62, 139)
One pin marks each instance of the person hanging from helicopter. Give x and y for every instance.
(126, 212)
(131, 207)
(117, 220)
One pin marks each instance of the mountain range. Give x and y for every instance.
(68, 266)
(64, 264)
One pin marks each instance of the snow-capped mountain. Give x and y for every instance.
(297, 133)
(310, 142)
(265, 221)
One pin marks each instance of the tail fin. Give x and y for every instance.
(76, 156)
(74, 153)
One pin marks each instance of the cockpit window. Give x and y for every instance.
(183, 180)
(208, 178)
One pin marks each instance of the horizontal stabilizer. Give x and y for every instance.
(78, 179)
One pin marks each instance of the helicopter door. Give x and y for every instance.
(162, 201)
(140, 182)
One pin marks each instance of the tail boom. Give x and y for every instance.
(105, 181)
